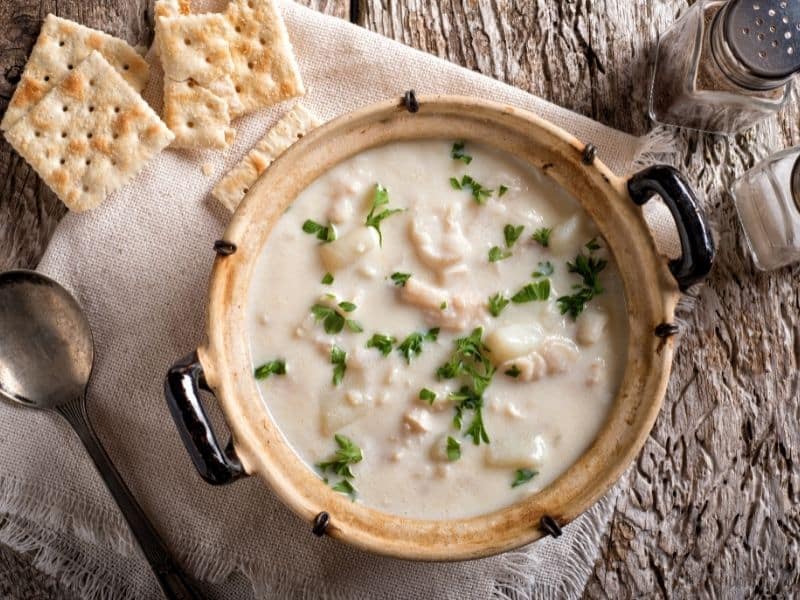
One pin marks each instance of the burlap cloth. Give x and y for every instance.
(139, 265)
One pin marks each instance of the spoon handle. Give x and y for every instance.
(174, 582)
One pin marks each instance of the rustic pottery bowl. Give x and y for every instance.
(652, 287)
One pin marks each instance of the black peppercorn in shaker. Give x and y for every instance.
(724, 65)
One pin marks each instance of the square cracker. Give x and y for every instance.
(194, 46)
(89, 135)
(198, 117)
(265, 71)
(291, 127)
(60, 47)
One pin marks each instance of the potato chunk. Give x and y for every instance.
(349, 249)
(591, 325)
(514, 341)
(516, 452)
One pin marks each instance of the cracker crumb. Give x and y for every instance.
(207, 168)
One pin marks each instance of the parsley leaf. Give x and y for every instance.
(479, 193)
(467, 399)
(345, 487)
(589, 269)
(453, 448)
(539, 290)
(469, 359)
(382, 343)
(457, 153)
(523, 476)
(501, 191)
(327, 279)
(512, 234)
(542, 235)
(428, 395)
(324, 234)
(592, 245)
(381, 198)
(412, 345)
(513, 371)
(400, 278)
(273, 367)
(455, 184)
(544, 269)
(354, 326)
(497, 303)
(347, 454)
(443, 305)
(495, 254)
(339, 362)
(331, 319)
(347, 306)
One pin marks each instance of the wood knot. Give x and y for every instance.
(665, 330)
(13, 74)
(550, 526)
(223, 248)
(589, 154)
(410, 101)
(320, 524)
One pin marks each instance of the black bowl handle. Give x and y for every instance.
(697, 243)
(215, 464)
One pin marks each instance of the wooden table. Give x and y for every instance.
(711, 506)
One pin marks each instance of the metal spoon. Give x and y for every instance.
(46, 355)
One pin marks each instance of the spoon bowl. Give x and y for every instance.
(47, 351)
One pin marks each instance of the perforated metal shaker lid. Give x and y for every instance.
(764, 35)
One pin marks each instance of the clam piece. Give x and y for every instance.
(438, 238)
(461, 311)
(558, 353)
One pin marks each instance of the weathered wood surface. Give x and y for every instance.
(710, 507)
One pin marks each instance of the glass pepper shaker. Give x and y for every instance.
(768, 201)
(726, 64)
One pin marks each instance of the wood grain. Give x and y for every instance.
(710, 509)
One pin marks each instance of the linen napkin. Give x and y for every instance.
(139, 265)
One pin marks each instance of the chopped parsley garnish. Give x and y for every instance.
(512, 233)
(327, 279)
(347, 454)
(443, 305)
(400, 278)
(381, 198)
(523, 476)
(589, 268)
(497, 303)
(273, 367)
(501, 191)
(345, 487)
(545, 269)
(457, 153)
(412, 345)
(539, 290)
(470, 362)
(428, 395)
(467, 399)
(333, 320)
(479, 193)
(542, 235)
(495, 254)
(323, 233)
(382, 343)
(592, 245)
(339, 362)
(513, 371)
(453, 448)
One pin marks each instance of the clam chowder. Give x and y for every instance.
(437, 328)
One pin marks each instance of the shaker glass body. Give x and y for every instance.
(768, 210)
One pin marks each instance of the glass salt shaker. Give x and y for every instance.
(726, 64)
(768, 201)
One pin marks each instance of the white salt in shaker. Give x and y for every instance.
(724, 65)
(768, 200)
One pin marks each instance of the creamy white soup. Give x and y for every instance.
(437, 329)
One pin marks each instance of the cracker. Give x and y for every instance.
(89, 135)
(265, 71)
(60, 47)
(194, 46)
(292, 126)
(168, 8)
(197, 117)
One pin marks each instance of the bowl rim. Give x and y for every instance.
(650, 290)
